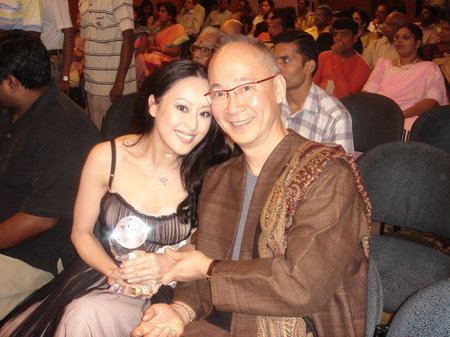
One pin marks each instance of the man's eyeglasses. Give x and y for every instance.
(242, 91)
(204, 51)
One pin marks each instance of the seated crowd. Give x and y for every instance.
(208, 217)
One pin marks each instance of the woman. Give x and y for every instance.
(363, 20)
(414, 84)
(265, 13)
(140, 43)
(166, 46)
(146, 8)
(147, 181)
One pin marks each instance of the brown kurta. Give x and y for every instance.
(323, 273)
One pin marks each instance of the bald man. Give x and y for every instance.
(231, 27)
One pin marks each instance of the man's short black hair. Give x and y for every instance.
(25, 57)
(287, 16)
(346, 23)
(327, 11)
(306, 45)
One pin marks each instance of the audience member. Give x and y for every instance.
(341, 70)
(207, 42)
(177, 141)
(305, 18)
(265, 13)
(146, 8)
(307, 109)
(383, 47)
(283, 222)
(281, 20)
(58, 37)
(23, 15)
(107, 28)
(191, 17)
(243, 9)
(76, 92)
(322, 21)
(415, 85)
(44, 140)
(140, 43)
(231, 27)
(365, 35)
(381, 14)
(166, 46)
(219, 15)
(430, 30)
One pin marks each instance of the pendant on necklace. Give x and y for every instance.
(163, 180)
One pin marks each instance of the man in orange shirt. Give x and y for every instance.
(342, 71)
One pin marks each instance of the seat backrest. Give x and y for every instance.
(425, 313)
(409, 186)
(374, 299)
(376, 119)
(119, 117)
(433, 127)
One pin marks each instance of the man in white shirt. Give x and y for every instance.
(58, 37)
(220, 15)
(23, 15)
(191, 17)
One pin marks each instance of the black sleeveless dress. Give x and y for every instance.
(79, 280)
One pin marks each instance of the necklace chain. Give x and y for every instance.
(406, 65)
(162, 174)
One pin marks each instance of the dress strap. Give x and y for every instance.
(113, 163)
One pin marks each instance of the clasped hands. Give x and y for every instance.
(164, 320)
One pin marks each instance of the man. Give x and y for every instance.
(243, 9)
(58, 36)
(232, 26)
(107, 28)
(384, 47)
(24, 15)
(380, 15)
(428, 17)
(278, 243)
(219, 15)
(191, 17)
(307, 109)
(305, 18)
(322, 21)
(207, 42)
(342, 71)
(44, 139)
(281, 20)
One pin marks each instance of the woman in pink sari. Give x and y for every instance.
(414, 84)
(166, 46)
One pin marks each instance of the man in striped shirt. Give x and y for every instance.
(107, 27)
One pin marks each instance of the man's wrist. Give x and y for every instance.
(210, 269)
(186, 313)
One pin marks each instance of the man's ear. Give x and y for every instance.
(309, 67)
(280, 88)
(152, 106)
(13, 84)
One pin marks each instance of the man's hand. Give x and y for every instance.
(116, 91)
(337, 48)
(146, 267)
(160, 320)
(63, 85)
(190, 266)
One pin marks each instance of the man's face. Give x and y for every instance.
(241, 5)
(389, 26)
(223, 5)
(275, 27)
(6, 95)
(250, 114)
(320, 19)
(292, 65)
(188, 5)
(426, 17)
(301, 6)
(345, 38)
(381, 13)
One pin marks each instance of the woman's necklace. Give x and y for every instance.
(406, 66)
(163, 175)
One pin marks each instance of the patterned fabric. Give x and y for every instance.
(322, 118)
(379, 48)
(102, 24)
(55, 17)
(278, 212)
(192, 20)
(25, 15)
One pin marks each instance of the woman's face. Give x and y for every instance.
(182, 116)
(264, 8)
(357, 18)
(405, 43)
(163, 16)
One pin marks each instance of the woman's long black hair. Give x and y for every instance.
(210, 151)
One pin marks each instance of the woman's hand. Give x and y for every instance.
(146, 267)
(159, 320)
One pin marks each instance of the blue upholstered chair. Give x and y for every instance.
(119, 117)
(433, 127)
(374, 299)
(376, 120)
(425, 313)
(409, 186)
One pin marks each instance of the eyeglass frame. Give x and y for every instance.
(227, 91)
(200, 48)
